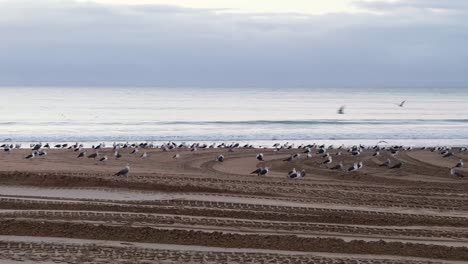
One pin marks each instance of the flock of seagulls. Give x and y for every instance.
(323, 152)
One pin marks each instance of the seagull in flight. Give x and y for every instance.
(402, 103)
(341, 110)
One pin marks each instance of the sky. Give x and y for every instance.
(242, 43)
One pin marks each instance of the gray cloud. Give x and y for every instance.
(69, 43)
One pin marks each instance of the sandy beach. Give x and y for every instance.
(62, 209)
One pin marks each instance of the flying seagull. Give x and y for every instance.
(402, 103)
(341, 110)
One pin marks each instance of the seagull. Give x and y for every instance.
(309, 155)
(402, 103)
(220, 158)
(117, 154)
(264, 171)
(341, 110)
(124, 172)
(327, 161)
(42, 153)
(448, 154)
(144, 155)
(135, 151)
(456, 173)
(293, 171)
(353, 168)
(297, 174)
(82, 154)
(31, 156)
(459, 164)
(338, 166)
(376, 154)
(260, 157)
(257, 171)
(37, 147)
(103, 159)
(176, 156)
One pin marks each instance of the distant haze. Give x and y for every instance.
(407, 43)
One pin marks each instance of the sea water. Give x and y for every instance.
(260, 116)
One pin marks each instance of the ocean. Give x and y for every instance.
(260, 116)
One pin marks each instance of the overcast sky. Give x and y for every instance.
(242, 43)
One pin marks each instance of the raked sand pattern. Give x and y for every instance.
(64, 209)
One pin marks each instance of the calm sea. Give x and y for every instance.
(259, 116)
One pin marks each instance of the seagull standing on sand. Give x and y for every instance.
(117, 155)
(220, 158)
(459, 164)
(293, 171)
(144, 155)
(260, 157)
(103, 159)
(353, 168)
(456, 173)
(31, 156)
(262, 171)
(297, 174)
(82, 154)
(176, 156)
(124, 172)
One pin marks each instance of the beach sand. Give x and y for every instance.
(64, 209)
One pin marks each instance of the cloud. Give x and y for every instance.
(71, 43)
(399, 5)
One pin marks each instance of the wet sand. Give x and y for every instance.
(64, 209)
